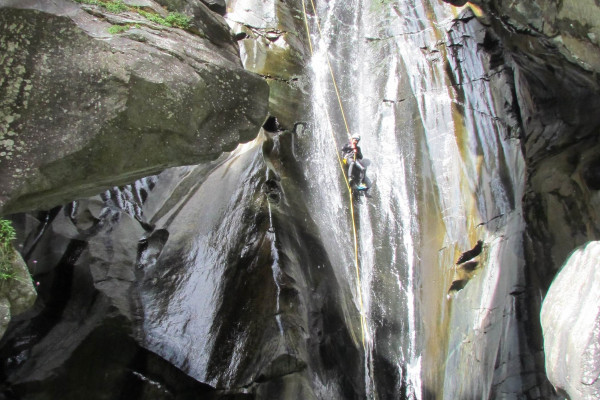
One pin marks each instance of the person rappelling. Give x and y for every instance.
(352, 155)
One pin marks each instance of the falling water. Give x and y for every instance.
(367, 69)
(390, 62)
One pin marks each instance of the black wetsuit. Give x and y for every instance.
(352, 159)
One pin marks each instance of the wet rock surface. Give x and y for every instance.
(84, 109)
(237, 301)
(252, 262)
(272, 40)
(552, 49)
(553, 57)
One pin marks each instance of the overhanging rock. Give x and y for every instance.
(571, 322)
(82, 109)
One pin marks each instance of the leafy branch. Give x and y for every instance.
(7, 235)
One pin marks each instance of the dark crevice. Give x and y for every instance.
(54, 295)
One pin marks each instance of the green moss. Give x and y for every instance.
(7, 235)
(116, 29)
(116, 7)
(174, 19)
(179, 20)
(153, 17)
(111, 6)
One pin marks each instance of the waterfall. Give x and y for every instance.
(367, 71)
(442, 166)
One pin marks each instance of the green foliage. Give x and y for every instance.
(174, 19)
(179, 20)
(116, 7)
(116, 29)
(7, 232)
(111, 6)
(7, 235)
(152, 17)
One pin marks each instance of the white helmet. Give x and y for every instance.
(356, 137)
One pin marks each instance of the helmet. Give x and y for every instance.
(356, 137)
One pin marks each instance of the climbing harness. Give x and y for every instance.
(341, 164)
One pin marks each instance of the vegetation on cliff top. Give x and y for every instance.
(174, 19)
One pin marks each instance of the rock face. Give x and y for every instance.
(83, 257)
(552, 49)
(483, 318)
(84, 109)
(252, 258)
(571, 27)
(241, 297)
(272, 39)
(571, 323)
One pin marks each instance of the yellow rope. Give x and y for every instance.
(341, 164)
